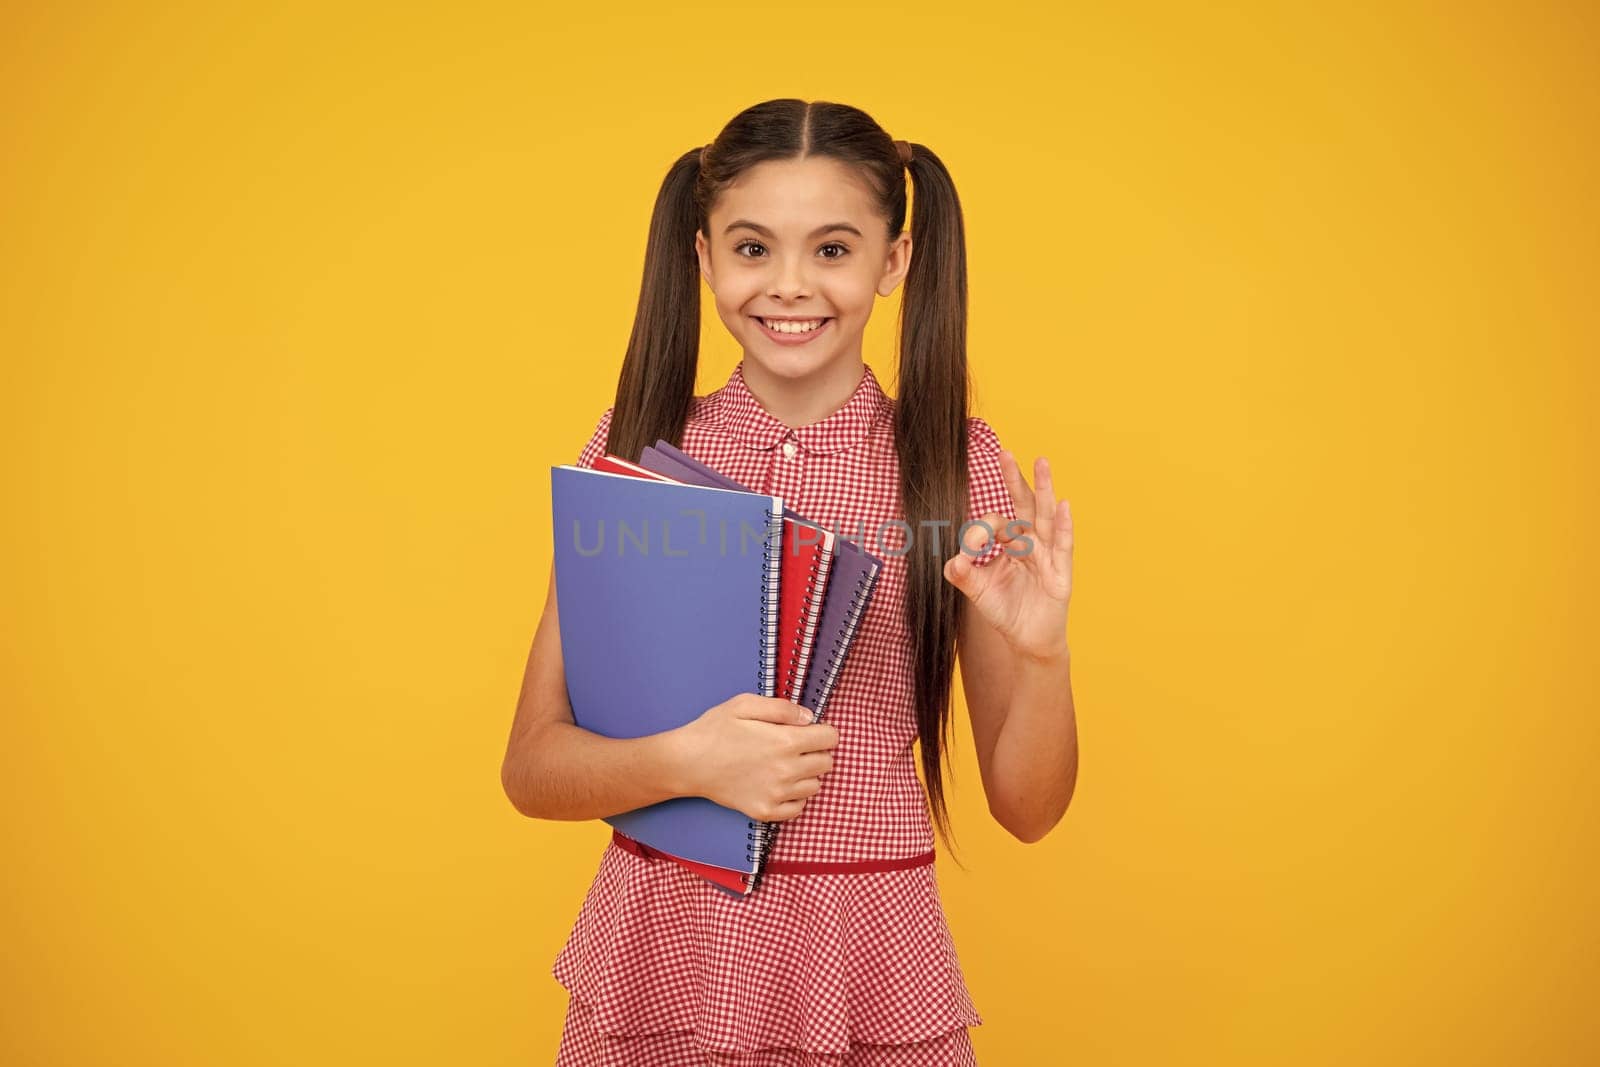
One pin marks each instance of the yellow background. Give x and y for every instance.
(298, 306)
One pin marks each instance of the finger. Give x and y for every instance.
(804, 787)
(1023, 541)
(786, 809)
(1062, 548)
(818, 737)
(1016, 485)
(962, 569)
(814, 765)
(1044, 501)
(975, 538)
(769, 709)
(960, 572)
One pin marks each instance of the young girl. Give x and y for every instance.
(794, 218)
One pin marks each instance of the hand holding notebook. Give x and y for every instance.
(669, 598)
(759, 755)
(664, 642)
(803, 574)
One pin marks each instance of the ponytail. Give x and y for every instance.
(655, 388)
(931, 437)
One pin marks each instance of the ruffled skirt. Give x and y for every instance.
(808, 964)
(584, 1045)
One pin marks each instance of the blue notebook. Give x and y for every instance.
(668, 606)
(850, 586)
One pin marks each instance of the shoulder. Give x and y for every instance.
(702, 412)
(986, 483)
(595, 447)
(982, 440)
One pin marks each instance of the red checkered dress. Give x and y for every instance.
(820, 970)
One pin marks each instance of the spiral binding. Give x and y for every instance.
(858, 602)
(807, 627)
(771, 570)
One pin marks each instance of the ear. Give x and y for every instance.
(896, 265)
(703, 252)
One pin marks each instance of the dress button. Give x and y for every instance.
(789, 449)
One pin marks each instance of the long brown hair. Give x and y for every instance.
(655, 389)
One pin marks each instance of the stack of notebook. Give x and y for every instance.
(680, 588)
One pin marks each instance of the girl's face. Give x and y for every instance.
(799, 239)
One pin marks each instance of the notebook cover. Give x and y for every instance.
(735, 882)
(802, 589)
(851, 581)
(634, 560)
(617, 465)
(807, 563)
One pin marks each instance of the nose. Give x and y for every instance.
(789, 280)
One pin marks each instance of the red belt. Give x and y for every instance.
(638, 848)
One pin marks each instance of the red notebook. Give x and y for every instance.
(802, 583)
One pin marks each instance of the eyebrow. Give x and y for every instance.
(763, 231)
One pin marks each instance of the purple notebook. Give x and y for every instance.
(669, 606)
(849, 590)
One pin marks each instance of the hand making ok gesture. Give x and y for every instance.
(1022, 592)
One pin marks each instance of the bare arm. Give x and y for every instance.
(756, 754)
(1024, 727)
(555, 769)
(1015, 666)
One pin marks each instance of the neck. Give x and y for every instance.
(798, 402)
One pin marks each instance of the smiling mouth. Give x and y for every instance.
(798, 327)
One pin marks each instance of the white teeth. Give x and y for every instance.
(792, 327)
